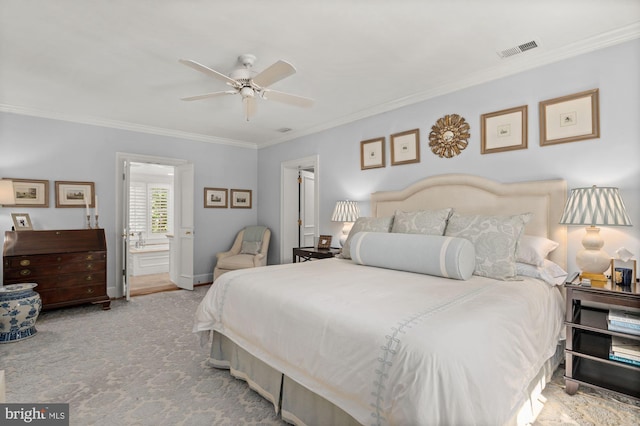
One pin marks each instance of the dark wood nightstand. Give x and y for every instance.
(589, 338)
(308, 253)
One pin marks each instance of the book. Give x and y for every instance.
(622, 345)
(623, 359)
(625, 324)
(623, 316)
(627, 356)
(621, 329)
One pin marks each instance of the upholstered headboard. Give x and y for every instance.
(469, 194)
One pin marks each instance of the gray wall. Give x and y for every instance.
(611, 160)
(38, 148)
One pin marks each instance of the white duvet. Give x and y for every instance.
(390, 347)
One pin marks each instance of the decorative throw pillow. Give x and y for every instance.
(495, 239)
(437, 255)
(428, 222)
(250, 247)
(369, 224)
(534, 250)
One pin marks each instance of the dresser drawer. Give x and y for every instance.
(38, 260)
(62, 281)
(58, 296)
(35, 272)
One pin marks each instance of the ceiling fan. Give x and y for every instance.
(251, 85)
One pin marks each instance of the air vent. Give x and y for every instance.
(284, 130)
(518, 49)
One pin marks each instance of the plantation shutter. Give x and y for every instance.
(138, 207)
(159, 202)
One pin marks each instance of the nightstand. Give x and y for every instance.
(589, 338)
(308, 253)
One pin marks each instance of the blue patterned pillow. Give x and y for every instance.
(428, 222)
(495, 239)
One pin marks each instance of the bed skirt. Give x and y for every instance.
(299, 406)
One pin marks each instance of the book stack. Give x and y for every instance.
(625, 350)
(624, 322)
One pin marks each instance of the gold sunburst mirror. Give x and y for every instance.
(449, 136)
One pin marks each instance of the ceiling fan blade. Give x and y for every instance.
(249, 105)
(210, 95)
(275, 72)
(287, 98)
(199, 67)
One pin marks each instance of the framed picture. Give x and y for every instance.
(21, 221)
(240, 198)
(372, 154)
(75, 194)
(623, 272)
(405, 147)
(30, 192)
(324, 241)
(570, 118)
(216, 198)
(504, 130)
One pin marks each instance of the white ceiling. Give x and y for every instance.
(115, 62)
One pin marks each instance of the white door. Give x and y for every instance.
(307, 211)
(182, 244)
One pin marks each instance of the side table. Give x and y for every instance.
(308, 253)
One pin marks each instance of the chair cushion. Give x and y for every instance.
(239, 261)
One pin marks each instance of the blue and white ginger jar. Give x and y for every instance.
(20, 306)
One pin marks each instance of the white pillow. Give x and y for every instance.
(534, 250)
(549, 272)
(250, 247)
(437, 255)
(428, 222)
(495, 239)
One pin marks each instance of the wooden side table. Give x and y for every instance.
(308, 253)
(589, 338)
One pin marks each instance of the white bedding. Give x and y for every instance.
(392, 347)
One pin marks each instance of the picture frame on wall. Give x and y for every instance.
(405, 147)
(504, 130)
(75, 194)
(240, 198)
(30, 192)
(372, 154)
(570, 118)
(216, 198)
(21, 222)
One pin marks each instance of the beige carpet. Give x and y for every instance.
(139, 364)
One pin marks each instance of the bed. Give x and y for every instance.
(397, 336)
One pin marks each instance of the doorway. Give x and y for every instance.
(171, 214)
(299, 205)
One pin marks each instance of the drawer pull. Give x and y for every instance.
(90, 257)
(89, 290)
(25, 262)
(89, 278)
(25, 272)
(58, 259)
(89, 265)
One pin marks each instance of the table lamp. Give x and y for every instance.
(347, 212)
(594, 206)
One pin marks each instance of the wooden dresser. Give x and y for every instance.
(69, 266)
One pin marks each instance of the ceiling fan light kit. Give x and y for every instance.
(251, 85)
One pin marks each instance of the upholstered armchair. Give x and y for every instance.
(249, 250)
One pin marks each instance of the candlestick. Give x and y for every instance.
(97, 226)
(88, 221)
(96, 208)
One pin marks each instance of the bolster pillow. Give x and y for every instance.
(449, 257)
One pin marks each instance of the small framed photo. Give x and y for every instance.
(372, 154)
(21, 221)
(30, 192)
(240, 198)
(324, 241)
(570, 118)
(504, 130)
(405, 147)
(623, 272)
(216, 198)
(75, 194)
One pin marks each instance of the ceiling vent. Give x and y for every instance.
(518, 49)
(284, 130)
